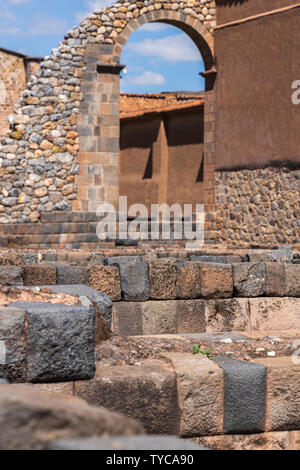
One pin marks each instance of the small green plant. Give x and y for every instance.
(204, 352)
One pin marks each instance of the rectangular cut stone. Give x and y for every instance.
(283, 393)
(188, 281)
(249, 279)
(134, 277)
(11, 276)
(227, 315)
(275, 280)
(40, 275)
(216, 280)
(105, 279)
(262, 441)
(68, 275)
(146, 393)
(292, 280)
(190, 316)
(245, 396)
(277, 314)
(200, 384)
(159, 317)
(162, 279)
(12, 344)
(60, 342)
(127, 318)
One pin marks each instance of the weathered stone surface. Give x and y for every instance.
(277, 314)
(190, 316)
(31, 420)
(134, 277)
(216, 280)
(11, 276)
(284, 254)
(263, 441)
(106, 279)
(200, 385)
(40, 275)
(60, 342)
(128, 443)
(188, 284)
(283, 394)
(127, 318)
(244, 396)
(60, 388)
(146, 393)
(227, 315)
(159, 317)
(294, 440)
(222, 259)
(292, 280)
(275, 280)
(99, 300)
(249, 279)
(12, 344)
(68, 275)
(162, 279)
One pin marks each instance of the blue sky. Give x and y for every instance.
(158, 57)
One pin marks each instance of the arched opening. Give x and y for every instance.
(99, 155)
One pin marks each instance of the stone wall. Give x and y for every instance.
(258, 207)
(39, 159)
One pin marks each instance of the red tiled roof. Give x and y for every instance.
(136, 105)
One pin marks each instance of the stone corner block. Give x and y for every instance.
(134, 277)
(249, 279)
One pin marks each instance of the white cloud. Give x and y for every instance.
(153, 27)
(178, 48)
(145, 79)
(47, 25)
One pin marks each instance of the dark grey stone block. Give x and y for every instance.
(102, 301)
(12, 344)
(31, 258)
(60, 342)
(249, 279)
(68, 275)
(282, 254)
(134, 277)
(245, 396)
(11, 276)
(128, 443)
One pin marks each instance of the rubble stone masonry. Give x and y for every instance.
(258, 207)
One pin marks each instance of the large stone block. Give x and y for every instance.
(216, 280)
(245, 396)
(12, 344)
(262, 441)
(188, 285)
(190, 316)
(283, 393)
(99, 300)
(68, 275)
(159, 317)
(227, 315)
(134, 277)
(200, 384)
(249, 279)
(222, 259)
(31, 419)
(275, 280)
(277, 314)
(127, 319)
(147, 393)
(107, 280)
(162, 279)
(11, 276)
(60, 342)
(40, 275)
(123, 443)
(292, 280)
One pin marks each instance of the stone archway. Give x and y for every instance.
(62, 151)
(99, 126)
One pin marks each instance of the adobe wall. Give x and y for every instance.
(141, 166)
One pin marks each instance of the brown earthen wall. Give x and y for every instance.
(257, 125)
(232, 10)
